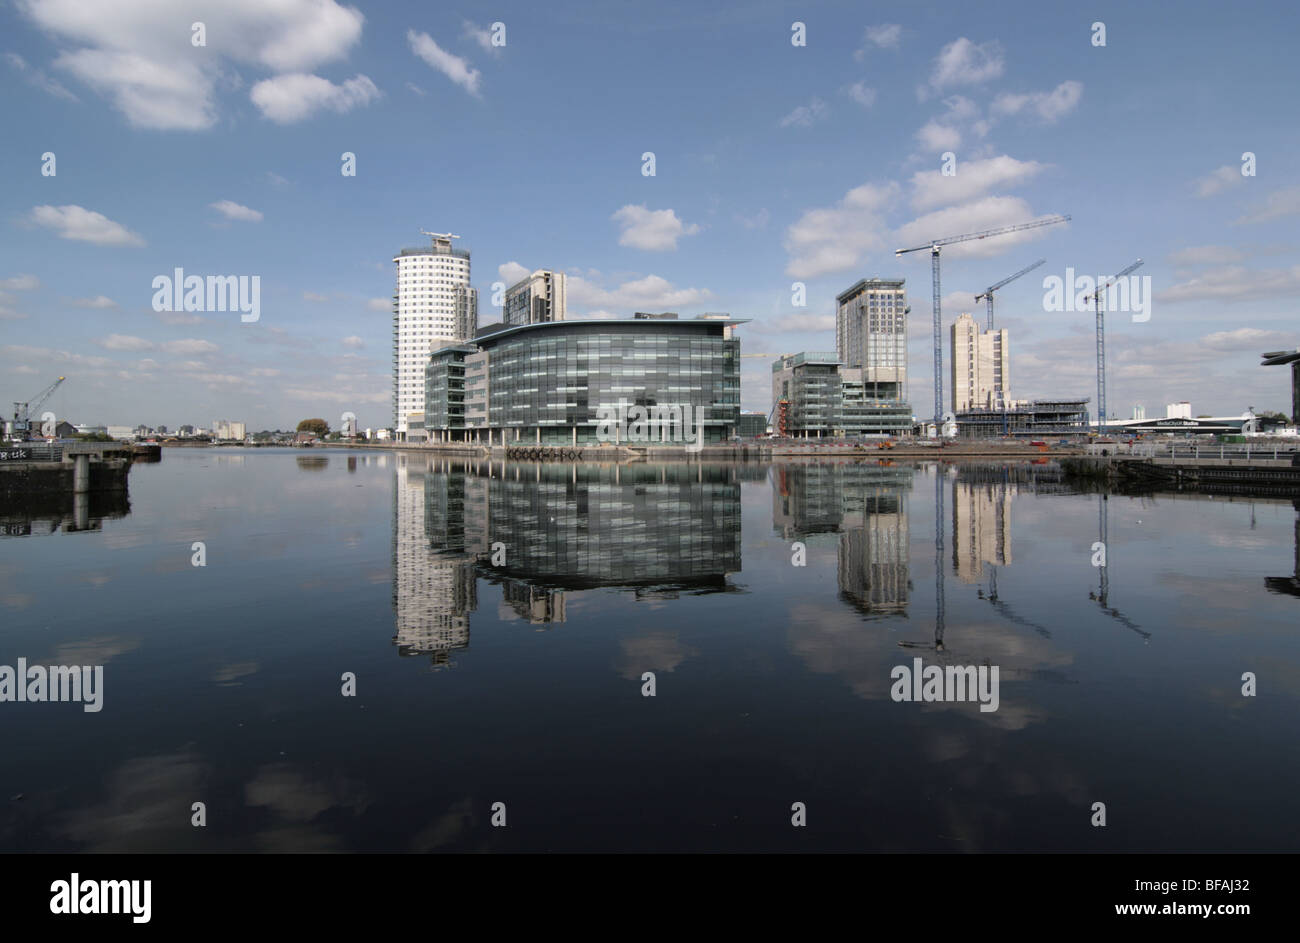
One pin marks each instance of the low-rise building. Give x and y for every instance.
(1040, 417)
(563, 382)
(751, 425)
(815, 395)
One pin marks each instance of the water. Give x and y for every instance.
(521, 682)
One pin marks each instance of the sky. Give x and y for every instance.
(775, 163)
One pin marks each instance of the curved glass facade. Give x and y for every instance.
(549, 383)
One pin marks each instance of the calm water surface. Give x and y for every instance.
(519, 680)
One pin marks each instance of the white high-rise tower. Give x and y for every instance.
(433, 305)
(981, 366)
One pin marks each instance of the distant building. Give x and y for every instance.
(185, 430)
(1139, 412)
(550, 383)
(751, 424)
(537, 299)
(815, 395)
(225, 430)
(121, 432)
(1045, 417)
(980, 366)
(433, 305)
(871, 333)
(1181, 410)
(65, 430)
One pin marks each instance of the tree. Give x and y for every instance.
(318, 426)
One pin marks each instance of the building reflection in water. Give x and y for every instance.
(1288, 585)
(543, 530)
(981, 525)
(866, 505)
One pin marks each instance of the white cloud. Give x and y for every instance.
(286, 99)
(885, 36)
(23, 352)
(640, 294)
(991, 212)
(263, 372)
(805, 115)
(353, 342)
(380, 304)
(189, 347)
(838, 238)
(1206, 255)
(1247, 338)
(78, 223)
(416, 89)
(963, 62)
(758, 221)
(38, 78)
(454, 67)
(124, 342)
(1279, 203)
(232, 210)
(1218, 181)
(99, 301)
(860, 93)
(275, 179)
(1235, 283)
(20, 283)
(313, 296)
(481, 35)
(793, 323)
(936, 137)
(335, 396)
(512, 273)
(177, 317)
(652, 230)
(1049, 107)
(150, 93)
(930, 188)
(137, 53)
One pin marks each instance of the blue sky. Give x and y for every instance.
(774, 164)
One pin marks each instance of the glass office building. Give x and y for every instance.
(548, 383)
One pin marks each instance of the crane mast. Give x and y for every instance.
(1101, 340)
(934, 248)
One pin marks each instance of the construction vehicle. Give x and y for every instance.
(19, 428)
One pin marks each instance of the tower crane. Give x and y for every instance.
(22, 425)
(1096, 297)
(987, 294)
(934, 248)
